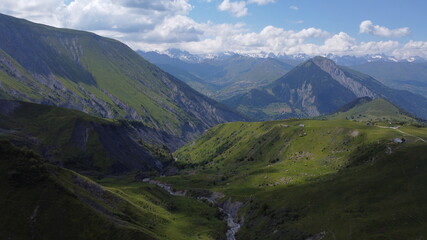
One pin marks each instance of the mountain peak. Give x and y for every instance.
(341, 77)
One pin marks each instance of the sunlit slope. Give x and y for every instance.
(41, 201)
(334, 179)
(101, 76)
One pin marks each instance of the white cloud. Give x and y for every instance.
(163, 24)
(376, 30)
(261, 2)
(42, 11)
(293, 7)
(238, 9)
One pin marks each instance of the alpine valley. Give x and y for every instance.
(98, 143)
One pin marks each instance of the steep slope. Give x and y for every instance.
(318, 86)
(41, 201)
(85, 143)
(372, 110)
(101, 76)
(314, 179)
(399, 75)
(224, 77)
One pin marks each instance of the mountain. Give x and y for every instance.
(372, 110)
(314, 179)
(84, 143)
(42, 201)
(100, 76)
(348, 60)
(319, 86)
(411, 76)
(221, 77)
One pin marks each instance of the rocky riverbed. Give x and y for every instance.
(228, 208)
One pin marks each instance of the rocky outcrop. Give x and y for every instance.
(336, 73)
(306, 100)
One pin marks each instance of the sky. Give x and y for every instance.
(282, 27)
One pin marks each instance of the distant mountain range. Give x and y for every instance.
(411, 76)
(346, 60)
(221, 77)
(228, 74)
(319, 86)
(100, 76)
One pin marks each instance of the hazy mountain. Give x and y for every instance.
(411, 76)
(220, 77)
(319, 86)
(101, 76)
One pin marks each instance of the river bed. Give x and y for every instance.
(230, 209)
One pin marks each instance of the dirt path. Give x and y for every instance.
(404, 133)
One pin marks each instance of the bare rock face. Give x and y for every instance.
(307, 99)
(336, 73)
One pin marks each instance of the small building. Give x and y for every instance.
(301, 125)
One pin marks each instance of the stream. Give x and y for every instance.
(230, 209)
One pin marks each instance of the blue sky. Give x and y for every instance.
(331, 15)
(254, 27)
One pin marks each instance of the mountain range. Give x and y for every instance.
(411, 76)
(222, 77)
(319, 86)
(403, 74)
(98, 143)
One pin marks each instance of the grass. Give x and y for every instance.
(82, 142)
(381, 200)
(41, 201)
(101, 76)
(378, 110)
(336, 178)
(262, 155)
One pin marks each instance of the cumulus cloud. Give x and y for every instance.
(163, 24)
(376, 30)
(261, 2)
(42, 11)
(238, 9)
(293, 7)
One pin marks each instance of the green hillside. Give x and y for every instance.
(101, 76)
(372, 110)
(82, 142)
(41, 201)
(309, 178)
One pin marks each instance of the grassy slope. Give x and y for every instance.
(256, 155)
(384, 199)
(300, 181)
(41, 201)
(77, 140)
(101, 76)
(374, 111)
